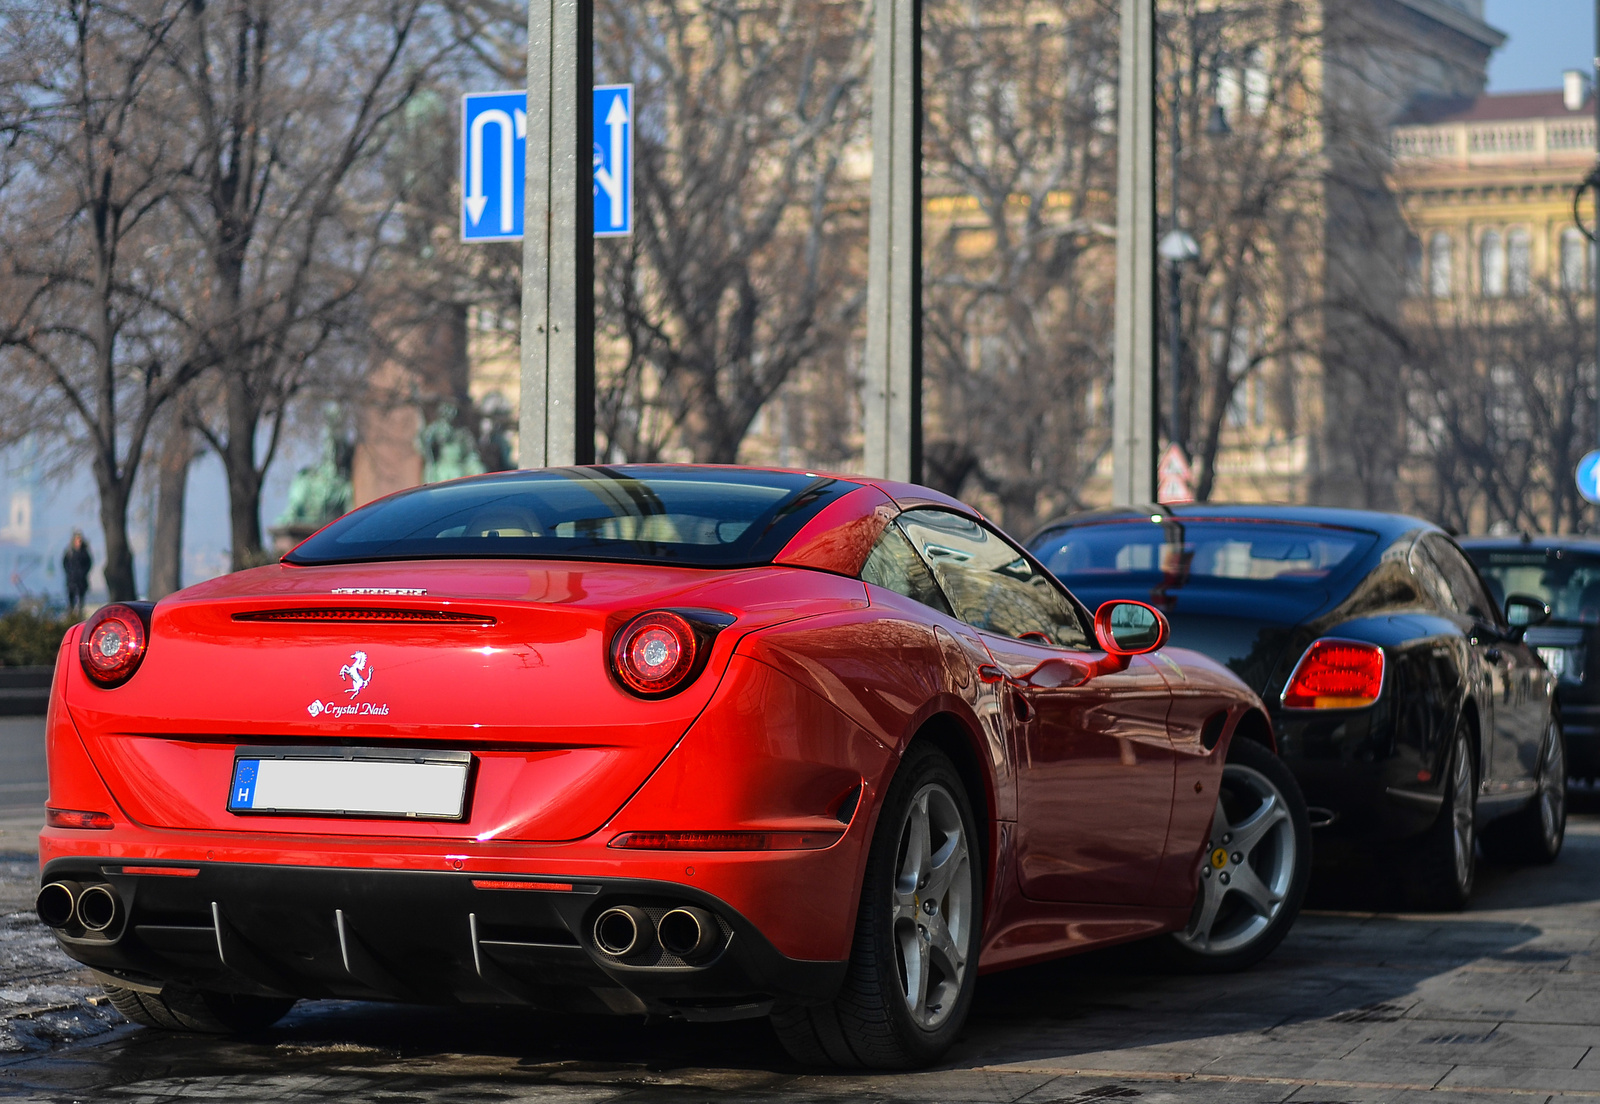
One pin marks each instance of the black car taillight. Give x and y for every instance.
(113, 644)
(1336, 674)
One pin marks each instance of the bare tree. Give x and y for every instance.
(285, 107)
(1501, 400)
(1020, 162)
(90, 267)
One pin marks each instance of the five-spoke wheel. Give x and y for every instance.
(913, 962)
(1255, 865)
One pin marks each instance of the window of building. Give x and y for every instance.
(1519, 263)
(1257, 82)
(1572, 261)
(1414, 285)
(1440, 257)
(1492, 266)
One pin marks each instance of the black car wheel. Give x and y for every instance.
(177, 1008)
(1444, 864)
(1534, 836)
(914, 963)
(1254, 872)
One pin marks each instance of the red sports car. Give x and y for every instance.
(696, 742)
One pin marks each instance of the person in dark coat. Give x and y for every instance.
(75, 564)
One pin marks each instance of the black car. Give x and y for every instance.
(1404, 697)
(1565, 573)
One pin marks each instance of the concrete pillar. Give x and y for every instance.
(557, 416)
(892, 401)
(1133, 416)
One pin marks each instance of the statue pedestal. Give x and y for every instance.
(285, 537)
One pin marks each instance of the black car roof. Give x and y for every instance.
(1386, 525)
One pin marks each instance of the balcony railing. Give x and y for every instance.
(1466, 144)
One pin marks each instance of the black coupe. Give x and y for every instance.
(1406, 700)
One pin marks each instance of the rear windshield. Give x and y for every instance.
(1248, 552)
(1568, 582)
(691, 516)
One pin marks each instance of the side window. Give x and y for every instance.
(989, 582)
(1471, 595)
(1450, 579)
(894, 565)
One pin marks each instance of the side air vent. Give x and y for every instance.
(368, 615)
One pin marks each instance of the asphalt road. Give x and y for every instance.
(1501, 1002)
(22, 782)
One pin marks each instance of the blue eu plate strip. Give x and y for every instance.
(244, 784)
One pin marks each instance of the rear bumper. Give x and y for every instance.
(424, 936)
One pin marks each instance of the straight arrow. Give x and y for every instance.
(611, 179)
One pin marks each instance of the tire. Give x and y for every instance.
(1248, 902)
(1443, 864)
(1534, 835)
(926, 839)
(178, 1008)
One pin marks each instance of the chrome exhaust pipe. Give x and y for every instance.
(56, 903)
(688, 932)
(623, 930)
(98, 908)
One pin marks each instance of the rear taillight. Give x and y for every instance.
(655, 653)
(1336, 674)
(112, 645)
(77, 818)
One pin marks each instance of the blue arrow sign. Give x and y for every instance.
(1588, 476)
(613, 160)
(494, 133)
(494, 143)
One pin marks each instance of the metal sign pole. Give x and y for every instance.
(892, 400)
(557, 415)
(1133, 417)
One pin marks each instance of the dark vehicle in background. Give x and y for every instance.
(1404, 696)
(1564, 573)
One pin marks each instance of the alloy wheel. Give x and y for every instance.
(1463, 811)
(1552, 787)
(932, 906)
(1248, 867)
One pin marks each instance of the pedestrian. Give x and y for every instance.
(75, 562)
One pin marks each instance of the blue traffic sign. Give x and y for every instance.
(494, 144)
(494, 141)
(1588, 476)
(613, 160)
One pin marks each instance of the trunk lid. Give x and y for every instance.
(507, 660)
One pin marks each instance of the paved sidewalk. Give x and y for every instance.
(1499, 1003)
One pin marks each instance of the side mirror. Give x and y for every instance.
(1524, 612)
(1126, 628)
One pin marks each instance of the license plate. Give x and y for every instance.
(395, 783)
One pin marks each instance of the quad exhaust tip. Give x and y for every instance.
(56, 903)
(623, 930)
(688, 932)
(97, 908)
(94, 908)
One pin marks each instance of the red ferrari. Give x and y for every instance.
(691, 742)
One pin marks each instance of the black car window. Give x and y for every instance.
(991, 584)
(1252, 553)
(1449, 576)
(1567, 580)
(696, 517)
(894, 565)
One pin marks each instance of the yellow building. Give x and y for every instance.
(1487, 189)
